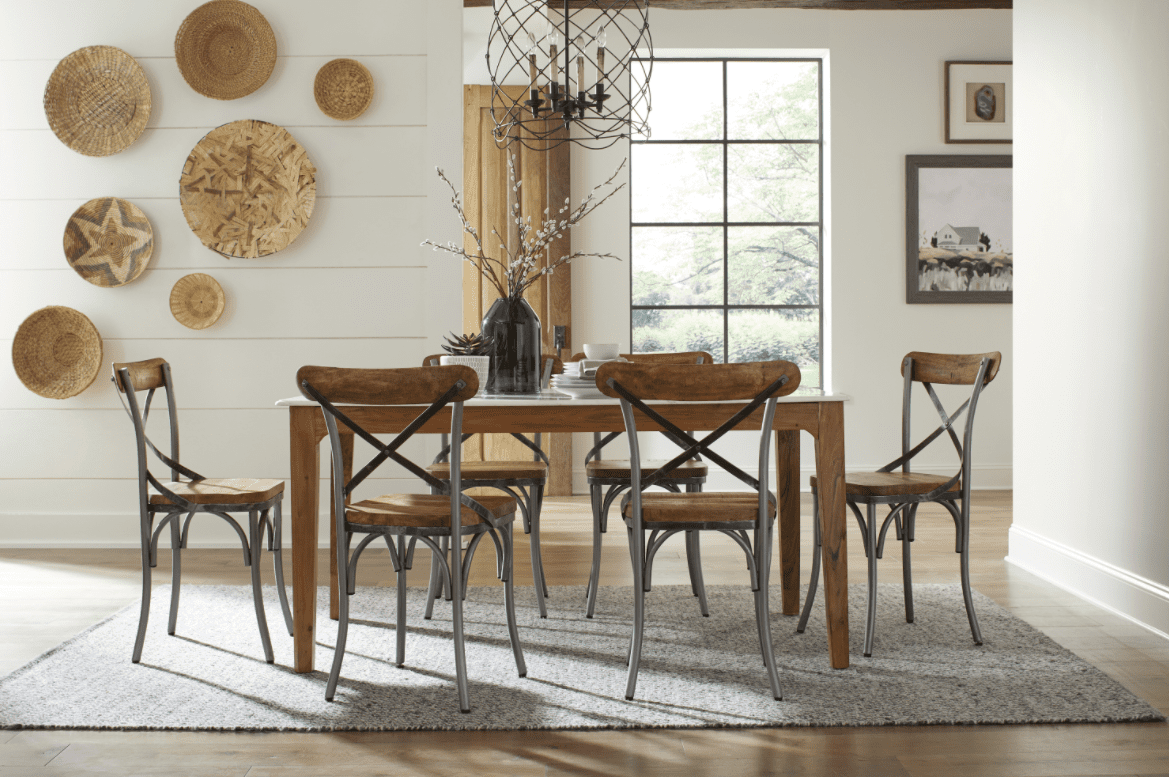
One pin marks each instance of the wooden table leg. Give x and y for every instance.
(830, 481)
(787, 480)
(306, 462)
(347, 473)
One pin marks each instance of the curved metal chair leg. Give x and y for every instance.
(694, 560)
(963, 522)
(144, 612)
(871, 552)
(457, 627)
(537, 499)
(595, 571)
(513, 631)
(176, 572)
(257, 544)
(763, 621)
(342, 614)
(401, 619)
(906, 567)
(436, 580)
(635, 547)
(815, 578)
(278, 565)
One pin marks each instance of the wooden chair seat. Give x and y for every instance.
(892, 483)
(222, 491)
(492, 470)
(702, 507)
(423, 510)
(618, 468)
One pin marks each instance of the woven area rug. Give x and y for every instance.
(696, 672)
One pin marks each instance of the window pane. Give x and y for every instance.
(766, 335)
(773, 266)
(771, 100)
(676, 183)
(686, 101)
(677, 265)
(678, 330)
(773, 183)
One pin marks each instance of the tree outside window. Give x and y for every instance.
(726, 203)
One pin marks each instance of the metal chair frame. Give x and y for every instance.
(753, 537)
(529, 495)
(902, 513)
(603, 491)
(453, 573)
(263, 517)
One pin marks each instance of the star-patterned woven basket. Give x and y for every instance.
(108, 241)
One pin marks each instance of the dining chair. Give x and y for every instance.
(609, 478)
(747, 518)
(447, 512)
(522, 480)
(903, 491)
(260, 499)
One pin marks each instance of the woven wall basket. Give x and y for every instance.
(248, 189)
(97, 100)
(57, 352)
(108, 241)
(343, 89)
(197, 300)
(225, 49)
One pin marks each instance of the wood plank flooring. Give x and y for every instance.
(49, 595)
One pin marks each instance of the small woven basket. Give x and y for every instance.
(225, 49)
(98, 100)
(197, 301)
(343, 89)
(108, 241)
(57, 352)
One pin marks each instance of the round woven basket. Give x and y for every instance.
(108, 241)
(57, 352)
(225, 49)
(343, 89)
(196, 301)
(97, 100)
(248, 189)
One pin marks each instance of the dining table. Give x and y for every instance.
(816, 412)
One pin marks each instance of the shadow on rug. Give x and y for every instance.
(695, 671)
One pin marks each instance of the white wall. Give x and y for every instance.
(886, 76)
(1092, 128)
(355, 289)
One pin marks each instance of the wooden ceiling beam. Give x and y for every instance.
(834, 5)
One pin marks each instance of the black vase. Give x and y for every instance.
(514, 329)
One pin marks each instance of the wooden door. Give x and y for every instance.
(488, 199)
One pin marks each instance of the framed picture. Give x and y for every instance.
(979, 102)
(958, 245)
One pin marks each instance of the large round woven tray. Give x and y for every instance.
(343, 89)
(57, 352)
(248, 189)
(225, 49)
(196, 301)
(97, 100)
(108, 241)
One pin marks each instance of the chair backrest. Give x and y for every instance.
(150, 375)
(976, 370)
(434, 387)
(661, 357)
(552, 365)
(758, 383)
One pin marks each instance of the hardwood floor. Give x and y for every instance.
(49, 595)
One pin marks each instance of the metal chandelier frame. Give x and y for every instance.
(576, 87)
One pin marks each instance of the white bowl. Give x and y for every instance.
(602, 350)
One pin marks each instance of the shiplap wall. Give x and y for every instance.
(355, 289)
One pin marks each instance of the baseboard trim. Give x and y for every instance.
(1142, 601)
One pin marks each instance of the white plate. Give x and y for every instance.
(581, 392)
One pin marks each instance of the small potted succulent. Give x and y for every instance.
(473, 350)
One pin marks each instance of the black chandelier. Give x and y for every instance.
(576, 73)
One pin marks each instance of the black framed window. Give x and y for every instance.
(726, 212)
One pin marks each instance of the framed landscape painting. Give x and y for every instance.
(958, 244)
